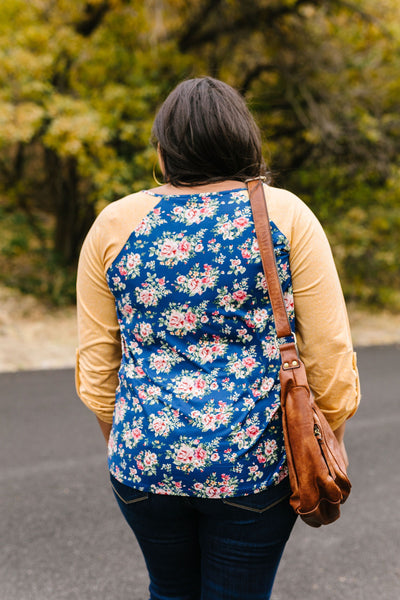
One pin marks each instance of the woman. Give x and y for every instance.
(178, 356)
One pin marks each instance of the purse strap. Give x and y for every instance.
(289, 354)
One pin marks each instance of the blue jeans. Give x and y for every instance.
(206, 549)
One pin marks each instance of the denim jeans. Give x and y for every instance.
(206, 549)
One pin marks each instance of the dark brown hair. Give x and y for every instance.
(205, 133)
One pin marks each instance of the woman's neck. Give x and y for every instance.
(220, 186)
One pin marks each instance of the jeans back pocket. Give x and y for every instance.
(125, 493)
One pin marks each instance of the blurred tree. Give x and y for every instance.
(80, 82)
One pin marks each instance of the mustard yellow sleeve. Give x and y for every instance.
(99, 350)
(322, 327)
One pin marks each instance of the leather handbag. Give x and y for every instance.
(317, 470)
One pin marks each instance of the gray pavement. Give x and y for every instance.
(62, 537)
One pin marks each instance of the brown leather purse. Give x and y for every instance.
(317, 470)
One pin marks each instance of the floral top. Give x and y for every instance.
(198, 402)
(177, 344)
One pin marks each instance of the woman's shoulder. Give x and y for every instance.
(126, 206)
(288, 212)
(116, 222)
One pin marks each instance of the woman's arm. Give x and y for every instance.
(323, 331)
(99, 351)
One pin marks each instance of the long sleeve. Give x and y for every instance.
(323, 332)
(99, 352)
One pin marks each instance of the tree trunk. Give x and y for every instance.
(73, 212)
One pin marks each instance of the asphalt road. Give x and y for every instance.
(62, 536)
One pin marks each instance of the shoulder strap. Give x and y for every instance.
(264, 238)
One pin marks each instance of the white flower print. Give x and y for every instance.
(195, 212)
(164, 359)
(241, 366)
(165, 421)
(208, 350)
(152, 290)
(183, 319)
(149, 222)
(198, 280)
(132, 432)
(211, 417)
(174, 248)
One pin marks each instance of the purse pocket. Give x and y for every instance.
(126, 494)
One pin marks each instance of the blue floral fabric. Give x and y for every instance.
(198, 402)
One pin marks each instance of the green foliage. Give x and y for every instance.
(80, 83)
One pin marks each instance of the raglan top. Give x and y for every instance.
(177, 342)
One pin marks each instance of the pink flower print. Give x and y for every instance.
(245, 253)
(198, 486)
(136, 433)
(149, 458)
(271, 350)
(200, 384)
(270, 447)
(260, 315)
(261, 459)
(208, 421)
(195, 285)
(213, 492)
(253, 431)
(122, 271)
(289, 303)
(169, 249)
(199, 247)
(213, 385)
(249, 362)
(185, 454)
(193, 214)
(200, 454)
(267, 384)
(184, 247)
(132, 261)
(214, 456)
(139, 371)
(159, 426)
(160, 363)
(176, 319)
(206, 354)
(156, 211)
(204, 319)
(146, 329)
(185, 386)
(190, 320)
(239, 296)
(147, 296)
(241, 222)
